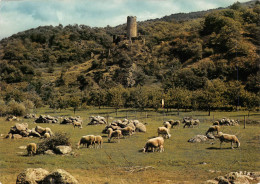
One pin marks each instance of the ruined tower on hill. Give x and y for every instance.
(131, 27)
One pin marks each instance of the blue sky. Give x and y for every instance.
(20, 15)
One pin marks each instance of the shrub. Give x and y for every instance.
(17, 109)
(50, 143)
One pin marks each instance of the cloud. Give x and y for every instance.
(21, 15)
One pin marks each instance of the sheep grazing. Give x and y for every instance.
(111, 134)
(164, 132)
(31, 149)
(98, 141)
(212, 129)
(127, 131)
(46, 135)
(175, 123)
(167, 125)
(216, 123)
(77, 124)
(154, 143)
(228, 138)
(191, 123)
(87, 140)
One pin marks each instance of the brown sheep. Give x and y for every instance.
(98, 141)
(46, 135)
(87, 140)
(228, 138)
(111, 134)
(164, 132)
(127, 131)
(31, 149)
(212, 129)
(175, 123)
(77, 124)
(154, 143)
(216, 123)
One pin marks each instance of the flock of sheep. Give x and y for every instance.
(123, 128)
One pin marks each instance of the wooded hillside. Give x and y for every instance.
(204, 63)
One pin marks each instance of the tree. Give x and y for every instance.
(181, 98)
(115, 96)
(74, 102)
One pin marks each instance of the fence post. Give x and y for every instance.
(107, 119)
(244, 121)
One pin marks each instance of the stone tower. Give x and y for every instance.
(131, 27)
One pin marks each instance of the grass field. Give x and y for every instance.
(118, 162)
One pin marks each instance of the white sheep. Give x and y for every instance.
(228, 138)
(111, 134)
(167, 125)
(98, 141)
(31, 149)
(154, 143)
(87, 140)
(164, 132)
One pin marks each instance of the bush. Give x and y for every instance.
(3, 110)
(56, 140)
(17, 109)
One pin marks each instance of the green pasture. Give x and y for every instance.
(116, 162)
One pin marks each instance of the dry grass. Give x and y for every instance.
(118, 162)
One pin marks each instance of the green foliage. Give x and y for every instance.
(58, 139)
(15, 108)
(221, 46)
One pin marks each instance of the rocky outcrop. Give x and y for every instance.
(31, 176)
(59, 176)
(20, 130)
(62, 150)
(241, 177)
(97, 120)
(42, 176)
(46, 119)
(198, 138)
(12, 118)
(30, 116)
(71, 119)
(118, 124)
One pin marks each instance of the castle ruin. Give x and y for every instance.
(131, 33)
(131, 27)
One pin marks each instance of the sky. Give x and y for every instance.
(20, 15)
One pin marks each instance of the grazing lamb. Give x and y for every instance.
(31, 149)
(216, 123)
(228, 138)
(127, 131)
(212, 129)
(191, 123)
(98, 141)
(175, 123)
(46, 135)
(77, 124)
(164, 132)
(167, 125)
(111, 134)
(87, 140)
(154, 143)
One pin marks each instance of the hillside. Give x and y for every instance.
(217, 53)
